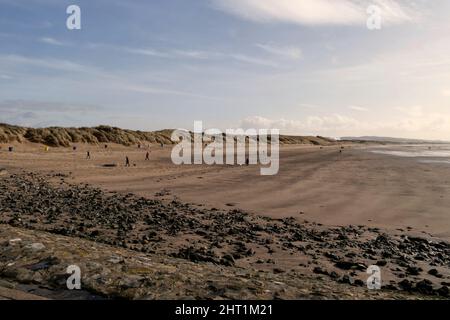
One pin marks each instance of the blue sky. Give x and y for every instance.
(303, 66)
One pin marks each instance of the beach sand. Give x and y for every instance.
(328, 214)
(356, 187)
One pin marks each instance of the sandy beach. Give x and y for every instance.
(329, 214)
(356, 187)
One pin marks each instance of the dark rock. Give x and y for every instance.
(443, 291)
(278, 270)
(425, 286)
(381, 263)
(390, 287)
(347, 279)
(348, 265)
(406, 285)
(359, 282)
(334, 275)
(435, 273)
(228, 260)
(413, 270)
(319, 270)
(44, 264)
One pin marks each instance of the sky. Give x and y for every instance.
(306, 67)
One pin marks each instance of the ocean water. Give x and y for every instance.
(423, 153)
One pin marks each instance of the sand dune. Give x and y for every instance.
(65, 137)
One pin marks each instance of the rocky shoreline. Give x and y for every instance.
(35, 262)
(213, 242)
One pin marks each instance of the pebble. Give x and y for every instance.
(36, 246)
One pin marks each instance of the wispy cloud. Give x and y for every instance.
(201, 55)
(153, 90)
(86, 74)
(45, 106)
(49, 63)
(52, 41)
(43, 113)
(148, 52)
(253, 60)
(289, 52)
(316, 12)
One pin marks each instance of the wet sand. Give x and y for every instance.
(356, 187)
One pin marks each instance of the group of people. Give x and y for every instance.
(127, 159)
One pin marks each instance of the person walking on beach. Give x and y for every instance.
(147, 156)
(88, 155)
(127, 161)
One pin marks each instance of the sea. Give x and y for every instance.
(436, 153)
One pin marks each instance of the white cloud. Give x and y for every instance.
(56, 64)
(317, 12)
(253, 60)
(289, 52)
(202, 55)
(311, 125)
(147, 52)
(413, 122)
(52, 41)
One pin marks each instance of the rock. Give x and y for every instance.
(15, 241)
(347, 279)
(332, 256)
(405, 285)
(115, 260)
(278, 270)
(359, 282)
(413, 270)
(319, 270)
(381, 263)
(443, 291)
(334, 275)
(44, 264)
(348, 265)
(425, 286)
(227, 260)
(390, 287)
(435, 273)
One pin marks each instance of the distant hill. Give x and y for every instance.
(65, 137)
(391, 140)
